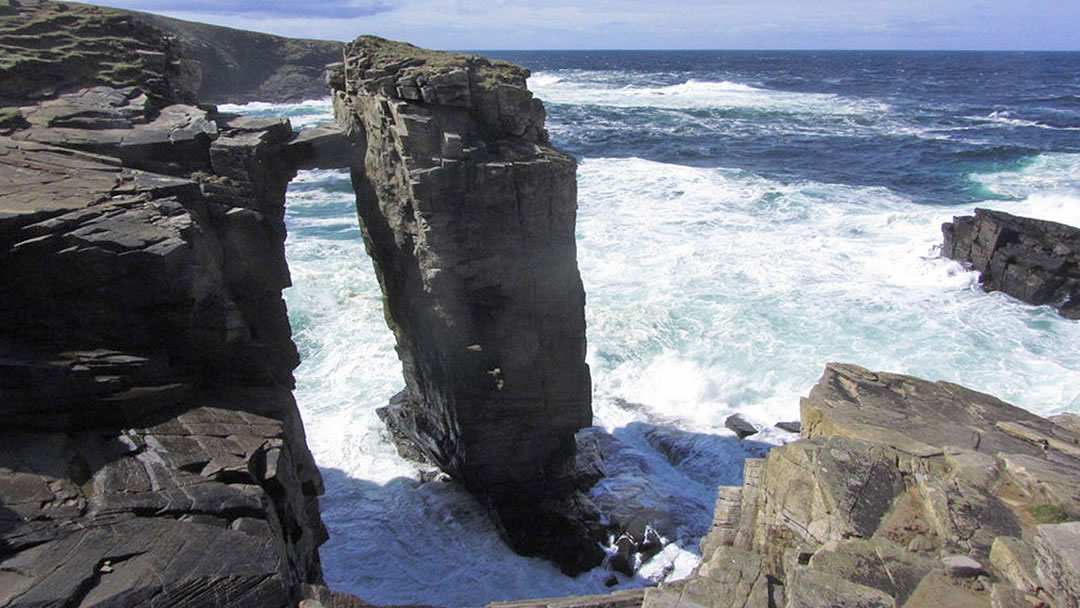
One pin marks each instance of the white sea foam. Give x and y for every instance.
(302, 115)
(1005, 118)
(587, 88)
(435, 543)
(744, 287)
(543, 79)
(711, 292)
(1048, 188)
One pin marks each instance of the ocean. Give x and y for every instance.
(744, 218)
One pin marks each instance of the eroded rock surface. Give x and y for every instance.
(1036, 261)
(152, 450)
(469, 217)
(901, 492)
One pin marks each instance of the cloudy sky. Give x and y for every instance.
(654, 24)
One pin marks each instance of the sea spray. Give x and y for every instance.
(743, 219)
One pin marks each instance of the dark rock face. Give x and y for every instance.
(240, 66)
(892, 475)
(469, 218)
(152, 450)
(1033, 260)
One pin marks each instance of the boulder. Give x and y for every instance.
(961, 566)
(740, 426)
(793, 426)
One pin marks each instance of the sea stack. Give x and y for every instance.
(468, 215)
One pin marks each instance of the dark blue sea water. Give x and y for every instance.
(917, 122)
(744, 218)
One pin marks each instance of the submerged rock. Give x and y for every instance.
(1036, 261)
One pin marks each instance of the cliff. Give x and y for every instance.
(468, 215)
(901, 492)
(1036, 261)
(152, 452)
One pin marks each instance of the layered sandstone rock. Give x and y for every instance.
(469, 217)
(901, 492)
(1036, 261)
(152, 451)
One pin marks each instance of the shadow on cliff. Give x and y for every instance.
(8, 520)
(713, 460)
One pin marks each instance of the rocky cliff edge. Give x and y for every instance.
(151, 452)
(901, 492)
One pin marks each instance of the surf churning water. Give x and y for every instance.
(744, 218)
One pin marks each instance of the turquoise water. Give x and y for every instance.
(743, 219)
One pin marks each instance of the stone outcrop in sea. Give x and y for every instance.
(901, 492)
(469, 217)
(1036, 261)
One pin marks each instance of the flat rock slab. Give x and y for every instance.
(918, 417)
(961, 566)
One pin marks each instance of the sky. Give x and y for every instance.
(653, 24)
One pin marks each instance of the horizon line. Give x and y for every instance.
(761, 50)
